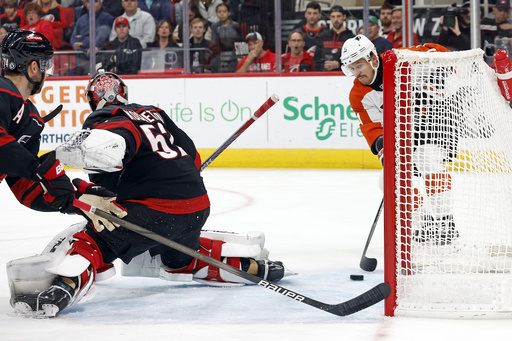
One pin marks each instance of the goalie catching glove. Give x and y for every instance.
(101, 198)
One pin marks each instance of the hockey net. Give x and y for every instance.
(448, 186)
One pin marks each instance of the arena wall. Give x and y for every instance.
(312, 126)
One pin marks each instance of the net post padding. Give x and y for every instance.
(444, 116)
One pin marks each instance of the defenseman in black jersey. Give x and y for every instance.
(139, 153)
(38, 183)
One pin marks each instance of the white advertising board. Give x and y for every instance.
(313, 111)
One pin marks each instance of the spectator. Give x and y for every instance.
(312, 29)
(113, 7)
(163, 36)
(297, 60)
(381, 43)
(70, 3)
(395, 36)
(258, 59)
(235, 7)
(208, 10)
(330, 42)
(159, 9)
(54, 14)
(193, 12)
(385, 18)
(81, 10)
(13, 18)
(33, 13)
(3, 32)
(142, 24)
(80, 37)
(490, 29)
(128, 50)
(200, 54)
(456, 36)
(225, 33)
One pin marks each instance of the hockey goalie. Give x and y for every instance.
(140, 154)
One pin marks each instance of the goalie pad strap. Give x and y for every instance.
(85, 246)
(215, 252)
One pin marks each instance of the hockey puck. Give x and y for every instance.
(357, 277)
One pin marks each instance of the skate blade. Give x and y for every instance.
(22, 309)
(288, 272)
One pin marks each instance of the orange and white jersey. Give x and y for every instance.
(367, 102)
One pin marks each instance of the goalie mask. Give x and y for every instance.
(106, 88)
(355, 49)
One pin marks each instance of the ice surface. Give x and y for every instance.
(315, 221)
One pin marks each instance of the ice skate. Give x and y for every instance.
(270, 270)
(437, 231)
(47, 303)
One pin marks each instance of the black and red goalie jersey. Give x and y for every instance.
(161, 163)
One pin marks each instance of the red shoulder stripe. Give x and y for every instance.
(128, 125)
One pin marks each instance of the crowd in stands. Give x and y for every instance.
(218, 41)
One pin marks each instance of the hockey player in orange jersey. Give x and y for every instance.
(360, 59)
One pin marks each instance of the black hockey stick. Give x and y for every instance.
(51, 115)
(369, 264)
(257, 114)
(365, 300)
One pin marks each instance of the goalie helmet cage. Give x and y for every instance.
(448, 159)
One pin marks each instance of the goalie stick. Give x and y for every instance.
(366, 263)
(257, 114)
(365, 300)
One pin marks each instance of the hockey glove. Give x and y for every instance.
(57, 187)
(378, 148)
(101, 198)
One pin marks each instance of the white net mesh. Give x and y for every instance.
(453, 184)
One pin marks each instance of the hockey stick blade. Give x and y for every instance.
(366, 263)
(363, 301)
(51, 115)
(354, 305)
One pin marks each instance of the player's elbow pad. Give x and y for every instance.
(96, 149)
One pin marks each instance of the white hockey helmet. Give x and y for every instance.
(354, 49)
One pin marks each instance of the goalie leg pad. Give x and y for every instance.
(32, 274)
(249, 244)
(69, 280)
(212, 275)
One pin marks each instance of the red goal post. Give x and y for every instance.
(447, 186)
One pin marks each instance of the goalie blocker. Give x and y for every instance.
(36, 282)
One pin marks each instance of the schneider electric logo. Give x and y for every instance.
(331, 119)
